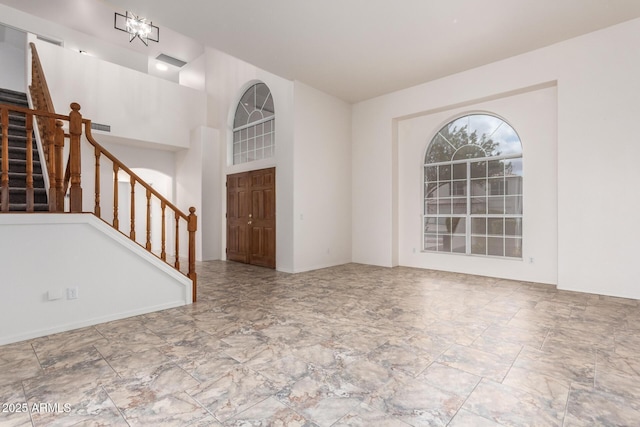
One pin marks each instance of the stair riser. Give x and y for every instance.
(19, 197)
(21, 167)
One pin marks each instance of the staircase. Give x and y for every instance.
(18, 159)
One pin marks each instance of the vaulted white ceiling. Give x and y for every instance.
(353, 49)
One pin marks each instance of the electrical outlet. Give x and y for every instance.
(72, 293)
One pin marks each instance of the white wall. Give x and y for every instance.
(227, 78)
(197, 186)
(114, 277)
(322, 183)
(136, 106)
(12, 59)
(73, 39)
(597, 85)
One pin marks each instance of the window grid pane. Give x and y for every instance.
(254, 127)
(253, 143)
(475, 206)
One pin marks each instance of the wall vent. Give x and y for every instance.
(48, 40)
(98, 126)
(171, 60)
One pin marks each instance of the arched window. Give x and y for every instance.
(253, 125)
(473, 188)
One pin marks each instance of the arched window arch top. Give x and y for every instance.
(254, 125)
(473, 136)
(255, 105)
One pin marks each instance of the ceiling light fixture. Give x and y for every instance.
(136, 27)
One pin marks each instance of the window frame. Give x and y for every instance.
(254, 140)
(436, 215)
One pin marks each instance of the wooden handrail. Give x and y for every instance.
(65, 179)
(191, 218)
(71, 180)
(39, 88)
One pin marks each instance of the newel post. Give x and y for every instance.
(192, 227)
(75, 130)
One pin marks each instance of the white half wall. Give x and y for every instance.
(137, 106)
(322, 179)
(45, 255)
(597, 87)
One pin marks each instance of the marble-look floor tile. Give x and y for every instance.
(416, 402)
(465, 418)
(411, 355)
(269, 412)
(137, 364)
(177, 409)
(620, 384)
(366, 416)
(207, 367)
(239, 389)
(91, 407)
(69, 385)
(517, 333)
(16, 352)
(281, 372)
(14, 409)
(450, 379)
(346, 345)
(513, 407)
(166, 379)
(562, 364)
(324, 396)
(543, 386)
(589, 407)
(243, 346)
(21, 369)
(476, 362)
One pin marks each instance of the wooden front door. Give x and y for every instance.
(251, 217)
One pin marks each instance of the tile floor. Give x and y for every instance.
(352, 345)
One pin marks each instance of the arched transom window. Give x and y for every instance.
(253, 125)
(473, 189)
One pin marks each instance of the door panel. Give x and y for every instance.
(251, 217)
(237, 217)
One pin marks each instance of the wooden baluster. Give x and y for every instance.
(132, 233)
(96, 209)
(75, 129)
(148, 245)
(192, 227)
(50, 143)
(29, 190)
(4, 180)
(177, 263)
(59, 166)
(163, 253)
(116, 222)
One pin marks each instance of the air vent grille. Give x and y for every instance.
(98, 126)
(170, 60)
(48, 40)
